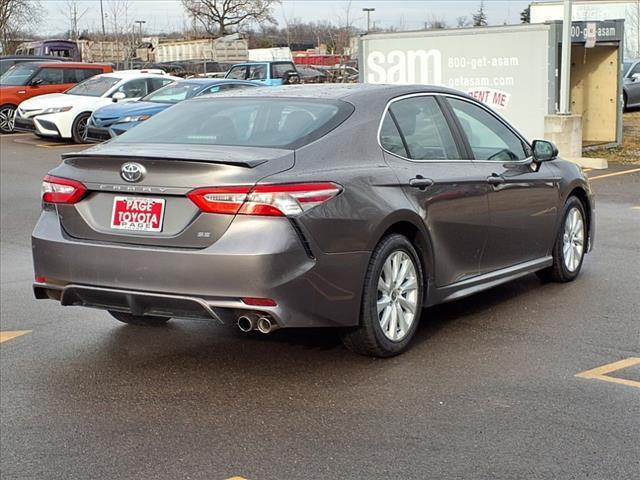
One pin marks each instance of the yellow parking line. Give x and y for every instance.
(635, 208)
(625, 172)
(587, 169)
(6, 336)
(57, 145)
(601, 373)
(236, 478)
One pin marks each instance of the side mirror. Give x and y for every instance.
(544, 151)
(116, 97)
(35, 82)
(635, 77)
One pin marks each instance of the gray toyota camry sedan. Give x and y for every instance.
(309, 206)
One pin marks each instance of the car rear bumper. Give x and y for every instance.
(256, 257)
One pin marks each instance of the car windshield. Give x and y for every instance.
(18, 74)
(242, 121)
(173, 93)
(93, 87)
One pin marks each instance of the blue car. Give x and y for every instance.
(113, 120)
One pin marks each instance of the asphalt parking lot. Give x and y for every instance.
(528, 380)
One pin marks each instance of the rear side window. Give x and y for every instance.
(156, 83)
(49, 76)
(77, 75)
(489, 138)
(424, 129)
(253, 122)
(134, 88)
(279, 69)
(390, 137)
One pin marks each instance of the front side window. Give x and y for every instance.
(635, 69)
(257, 72)
(489, 138)
(133, 88)
(49, 76)
(238, 73)
(19, 74)
(94, 87)
(424, 129)
(242, 121)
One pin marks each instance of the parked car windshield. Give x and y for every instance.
(18, 74)
(242, 121)
(93, 87)
(173, 93)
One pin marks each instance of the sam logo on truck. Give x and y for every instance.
(405, 67)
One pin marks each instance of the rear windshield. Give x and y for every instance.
(93, 87)
(242, 121)
(19, 74)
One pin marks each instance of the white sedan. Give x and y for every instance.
(65, 115)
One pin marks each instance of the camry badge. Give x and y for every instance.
(132, 172)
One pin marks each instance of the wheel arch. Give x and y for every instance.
(581, 194)
(410, 225)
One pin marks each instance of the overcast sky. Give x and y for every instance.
(167, 15)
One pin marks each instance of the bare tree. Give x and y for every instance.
(17, 18)
(73, 15)
(121, 27)
(436, 23)
(218, 17)
(462, 22)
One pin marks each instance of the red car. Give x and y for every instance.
(26, 80)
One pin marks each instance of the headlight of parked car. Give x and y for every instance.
(134, 118)
(56, 110)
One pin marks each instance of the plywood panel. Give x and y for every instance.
(594, 91)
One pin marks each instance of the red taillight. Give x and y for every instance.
(264, 200)
(61, 190)
(259, 302)
(40, 279)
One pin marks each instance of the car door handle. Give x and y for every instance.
(495, 179)
(420, 182)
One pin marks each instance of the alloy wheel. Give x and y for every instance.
(7, 119)
(573, 240)
(397, 296)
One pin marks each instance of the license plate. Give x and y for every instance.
(137, 214)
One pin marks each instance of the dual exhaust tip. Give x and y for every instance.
(262, 323)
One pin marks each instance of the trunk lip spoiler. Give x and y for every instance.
(248, 157)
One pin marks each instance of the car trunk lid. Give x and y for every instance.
(170, 172)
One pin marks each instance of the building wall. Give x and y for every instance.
(629, 10)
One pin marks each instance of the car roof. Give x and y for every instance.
(122, 74)
(73, 64)
(339, 91)
(215, 81)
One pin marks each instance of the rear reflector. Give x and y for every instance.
(40, 279)
(61, 190)
(259, 302)
(264, 200)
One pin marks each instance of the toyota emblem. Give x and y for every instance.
(132, 172)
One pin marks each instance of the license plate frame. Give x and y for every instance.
(137, 214)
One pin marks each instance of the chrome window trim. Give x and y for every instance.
(457, 97)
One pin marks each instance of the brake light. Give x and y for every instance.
(264, 200)
(259, 302)
(61, 190)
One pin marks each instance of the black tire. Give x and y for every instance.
(368, 338)
(140, 320)
(6, 118)
(79, 128)
(558, 272)
(624, 102)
